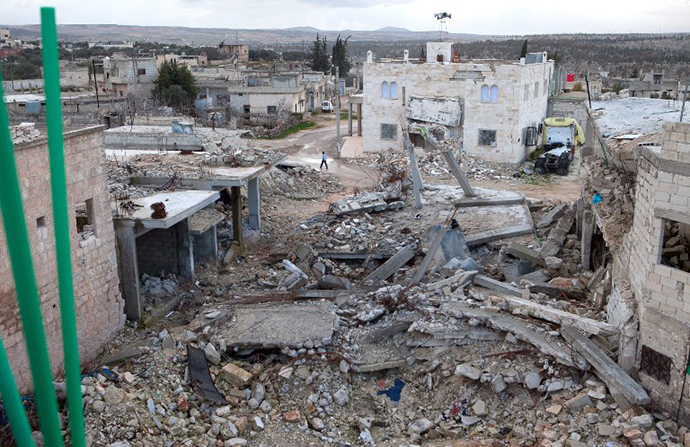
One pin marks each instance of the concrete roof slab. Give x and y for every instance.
(178, 204)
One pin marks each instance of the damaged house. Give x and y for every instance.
(488, 105)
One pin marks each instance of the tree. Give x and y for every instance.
(175, 85)
(340, 58)
(523, 52)
(318, 57)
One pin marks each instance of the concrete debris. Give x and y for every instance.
(307, 338)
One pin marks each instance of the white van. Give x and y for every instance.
(326, 106)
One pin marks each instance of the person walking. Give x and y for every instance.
(323, 161)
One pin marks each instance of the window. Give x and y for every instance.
(526, 92)
(675, 248)
(389, 131)
(272, 110)
(487, 138)
(536, 89)
(485, 93)
(655, 364)
(384, 90)
(41, 227)
(393, 90)
(494, 93)
(546, 86)
(403, 96)
(85, 219)
(141, 71)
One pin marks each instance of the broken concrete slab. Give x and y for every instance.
(458, 174)
(558, 233)
(389, 331)
(614, 376)
(279, 325)
(454, 282)
(122, 355)
(536, 276)
(550, 217)
(554, 290)
(494, 235)
(424, 266)
(365, 203)
(561, 317)
(388, 268)
(380, 366)
(497, 286)
(332, 282)
(522, 252)
(506, 323)
(492, 201)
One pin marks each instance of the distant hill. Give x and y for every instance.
(213, 36)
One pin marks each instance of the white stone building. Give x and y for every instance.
(122, 75)
(487, 104)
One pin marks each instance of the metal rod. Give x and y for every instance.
(95, 83)
(61, 226)
(25, 283)
(13, 403)
(339, 142)
(685, 96)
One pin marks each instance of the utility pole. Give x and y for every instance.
(589, 97)
(337, 109)
(685, 96)
(95, 83)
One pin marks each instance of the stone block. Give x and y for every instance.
(235, 375)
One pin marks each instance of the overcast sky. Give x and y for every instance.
(476, 17)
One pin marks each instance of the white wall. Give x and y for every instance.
(509, 116)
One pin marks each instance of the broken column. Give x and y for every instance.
(185, 250)
(129, 268)
(236, 199)
(254, 199)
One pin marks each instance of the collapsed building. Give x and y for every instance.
(487, 105)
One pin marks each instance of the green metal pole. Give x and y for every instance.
(25, 283)
(63, 249)
(13, 403)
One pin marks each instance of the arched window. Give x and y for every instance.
(394, 90)
(384, 90)
(536, 89)
(485, 93)
(494, 93)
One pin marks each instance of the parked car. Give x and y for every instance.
(326, 106)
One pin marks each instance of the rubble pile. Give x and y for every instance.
(24, 133)
(476, 169)
(299, 182)
(361, 234)
(614, 203)
(240, 157)
(154, 285)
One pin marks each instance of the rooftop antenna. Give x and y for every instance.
(442, 26)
